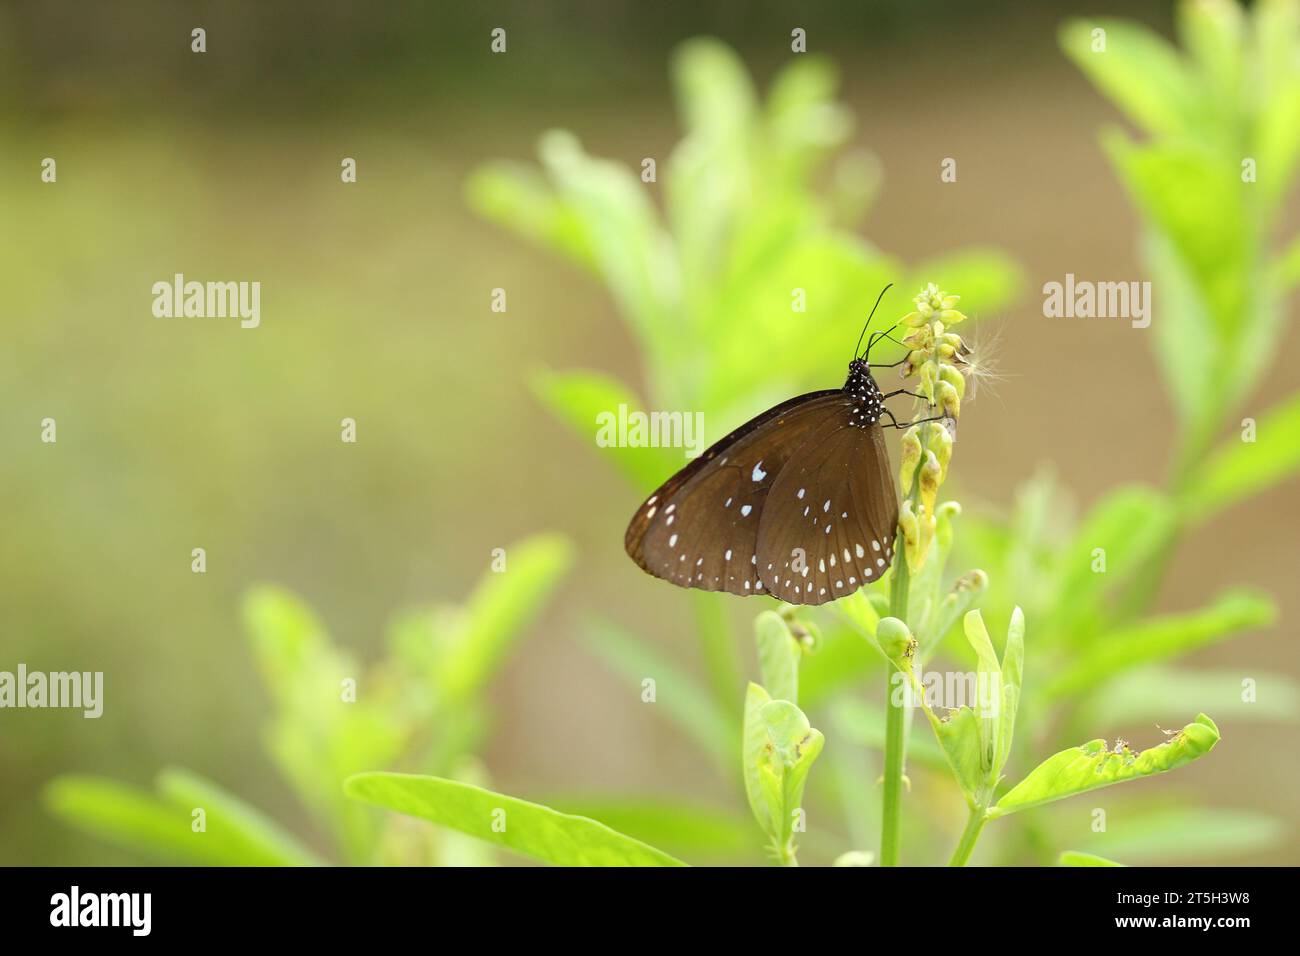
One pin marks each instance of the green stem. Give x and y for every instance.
(978, 817)
(895, 725)
(891, 810)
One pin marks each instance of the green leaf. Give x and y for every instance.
(1157, 693)
(1139, 70)
(959, 736)
(501, 607)
(941, 617)
(1211, 30)
(1175, 834)
(1160, 638)
(753, 747)
(243, 832)
(680, 827)
(632, 253)
(990, 682)
(1240, 469)
(582, 400)
(1090, 766)
(784, 762)
(778, 656)
(519, 198)
(677, 696)
(1128, 525)
(1075, 858)
(162, 826)
(527, 828)
(126, 816)
(1013, 664)
(1277, 112)
(709, 171)
(286, 635)
(1186, 349)
(1213, 244)
(316, 738)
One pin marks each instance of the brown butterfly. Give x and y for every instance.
(798, 503)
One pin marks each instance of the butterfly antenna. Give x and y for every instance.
(873, 312)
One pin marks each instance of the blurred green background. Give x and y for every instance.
(184, 433)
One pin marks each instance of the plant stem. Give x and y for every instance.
(891, 810)
(895, 726)
(978, 817)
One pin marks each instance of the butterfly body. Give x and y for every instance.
(797, 503)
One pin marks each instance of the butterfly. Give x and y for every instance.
(798, 503)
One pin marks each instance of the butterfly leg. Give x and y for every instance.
(919, 421)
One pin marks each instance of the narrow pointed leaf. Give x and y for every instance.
(528, 828)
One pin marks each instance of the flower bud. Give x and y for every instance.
(953, 378)
(939, 445)
(926, 387)
(910, 457)
(948, 399)
(920, 338)
(908, 525)
(957, 342)
(931, 471)
(925, 526)
(895, 640)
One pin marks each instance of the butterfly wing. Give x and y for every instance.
(700, 528)
(829, 519)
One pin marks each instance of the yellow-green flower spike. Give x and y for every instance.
(936, 358)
